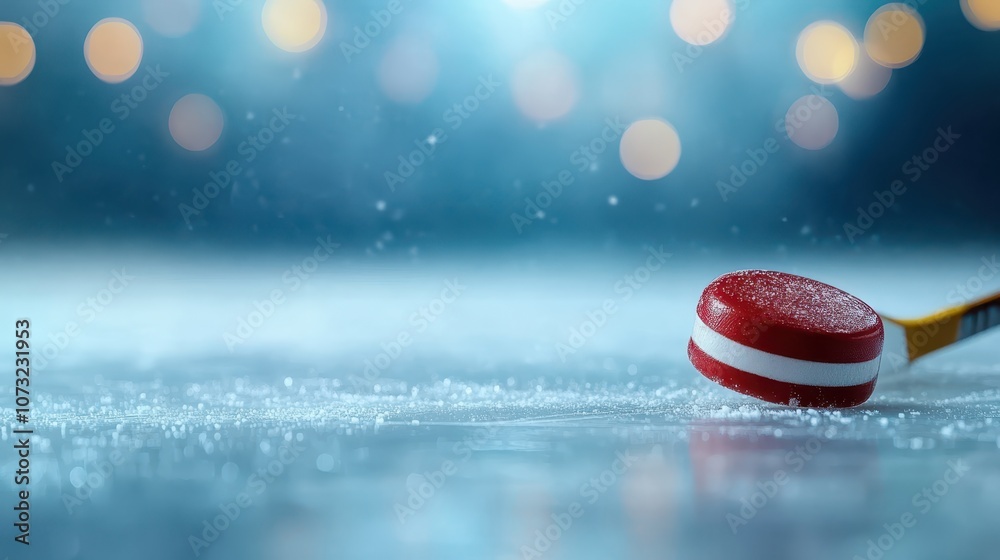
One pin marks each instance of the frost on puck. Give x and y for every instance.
(787, 339)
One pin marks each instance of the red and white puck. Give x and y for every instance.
(787, 340)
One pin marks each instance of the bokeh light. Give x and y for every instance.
(172, 18)
(525, 4)
(812, 122)
(700, 22)
(408, 71)
(984, 14)
(826, 52)
(294, 25)
(196, 122)
(894, 35)
(545, 86)
(867, 80)
(113, 50)
(17, 54)
(650, 149)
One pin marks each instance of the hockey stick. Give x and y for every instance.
(909, 339)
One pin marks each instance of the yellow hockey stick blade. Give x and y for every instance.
(909, 339)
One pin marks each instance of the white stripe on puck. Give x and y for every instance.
(781, 368)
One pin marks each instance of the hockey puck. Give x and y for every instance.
(787, 340)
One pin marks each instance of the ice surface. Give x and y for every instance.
(150, 387)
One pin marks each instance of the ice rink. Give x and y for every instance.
(322, 435)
